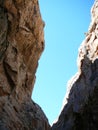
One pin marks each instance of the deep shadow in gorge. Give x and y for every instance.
(21, 45)
(81, 109)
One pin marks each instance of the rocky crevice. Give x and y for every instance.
(21, 45)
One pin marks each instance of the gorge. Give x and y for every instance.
(21, 45)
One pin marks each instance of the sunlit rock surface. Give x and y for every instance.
(80, 110)
(21, 44)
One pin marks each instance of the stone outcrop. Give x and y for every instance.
(21, 44)
(80, 110)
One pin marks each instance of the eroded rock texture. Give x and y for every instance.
(21, 44)
(80, 111)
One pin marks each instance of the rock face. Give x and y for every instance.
(21, 44)
(80, 111)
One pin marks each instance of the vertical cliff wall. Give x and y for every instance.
(80, 111)
(21, 44)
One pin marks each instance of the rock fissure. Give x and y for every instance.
(21, 45)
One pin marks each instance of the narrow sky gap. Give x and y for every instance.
(65, 25)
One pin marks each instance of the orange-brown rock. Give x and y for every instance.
(21, 44)
(80, 110)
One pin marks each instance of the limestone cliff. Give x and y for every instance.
(80, 111)
(21, 44)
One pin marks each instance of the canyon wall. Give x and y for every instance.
(21, 45)
(80, 110)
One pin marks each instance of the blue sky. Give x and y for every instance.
(66, 21)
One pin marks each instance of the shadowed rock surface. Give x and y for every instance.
(21, 44)
(80, 110)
